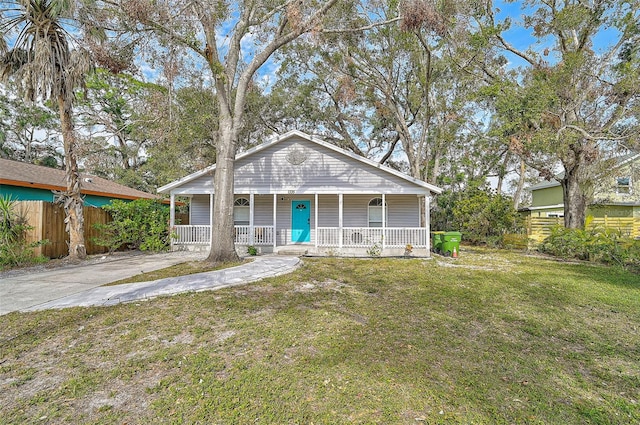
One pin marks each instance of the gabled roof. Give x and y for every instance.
(313, 139)
(545, 184)
(22, 174)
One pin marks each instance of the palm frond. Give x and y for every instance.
(41, 60)
(11, 63)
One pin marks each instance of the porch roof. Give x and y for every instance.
(412, 185)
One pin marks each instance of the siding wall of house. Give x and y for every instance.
(283, 231)
(263, 210)
(328, 215)
(607, 190)
(199, 210)
(35, 194)
(403, 211)
(98, 201)
(547, 196)
(298, 166)
(26, 193)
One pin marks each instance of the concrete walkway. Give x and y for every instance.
(81, 285)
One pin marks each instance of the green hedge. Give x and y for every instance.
(140, 224)
(599, 244)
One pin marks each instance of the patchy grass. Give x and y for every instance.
(493, 337)
(182, 269)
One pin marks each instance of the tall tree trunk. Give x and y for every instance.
(575, 202)
(435, 170)
(71, 199)
(521, 180)
(222, 230)
(502, 171)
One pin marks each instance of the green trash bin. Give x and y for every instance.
(436, 241)
(450, 246)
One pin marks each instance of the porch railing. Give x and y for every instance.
(400, 237)
(262, 235)
(358, 237)
(201, 235)
(191, 235)
(352, 237)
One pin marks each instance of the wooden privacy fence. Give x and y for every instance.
(539, 228)
(47, 222)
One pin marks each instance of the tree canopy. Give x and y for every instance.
(441, 90)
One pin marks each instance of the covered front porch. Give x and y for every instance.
(374, 224)
(296, 191)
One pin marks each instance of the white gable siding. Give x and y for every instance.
(274, 169)
(203, 184)
(297, 165)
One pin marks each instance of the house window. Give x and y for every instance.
(241, 212)
(555, 215)
(623, 185)
(375, 212)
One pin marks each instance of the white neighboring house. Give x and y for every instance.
(299, 194)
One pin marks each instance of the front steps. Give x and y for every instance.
(296, 250)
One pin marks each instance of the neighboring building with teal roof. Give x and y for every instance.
(28, 182)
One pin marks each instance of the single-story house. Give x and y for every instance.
(297, 193)
(28, 182)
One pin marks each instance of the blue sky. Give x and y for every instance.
(522, 38)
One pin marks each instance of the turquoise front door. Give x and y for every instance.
(300, 221)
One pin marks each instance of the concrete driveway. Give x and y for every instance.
(81, 285)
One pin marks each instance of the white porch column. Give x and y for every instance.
(384, 219)
(172, 217)
(316, 218)
(427, 222)
(340, 207)
(275, 210)
(251, 230)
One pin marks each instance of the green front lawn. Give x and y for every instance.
(493, 337)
